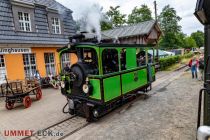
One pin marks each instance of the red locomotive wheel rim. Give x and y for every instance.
(38, 94)
(27, 102)
(9, 105)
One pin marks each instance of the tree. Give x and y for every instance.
(140, 14)
(180, 40)
(106, 24)
(199, 38)
(169, 24)
(170, 41)
(169, 20)
(190, 43)
(116, 17)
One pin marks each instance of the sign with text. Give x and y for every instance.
(15, 50)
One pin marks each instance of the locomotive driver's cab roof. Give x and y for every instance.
(72, 47)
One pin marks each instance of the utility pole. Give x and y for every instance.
(156, 20)
(155, 5)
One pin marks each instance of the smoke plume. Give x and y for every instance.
(92, 19)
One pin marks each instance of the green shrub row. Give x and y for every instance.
(188, 55)
(168, 61)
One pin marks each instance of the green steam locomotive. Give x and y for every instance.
(105, 76)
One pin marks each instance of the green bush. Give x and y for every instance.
(168, 61)
(188, 55)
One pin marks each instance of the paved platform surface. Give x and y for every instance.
(169, 113)
(40, 115)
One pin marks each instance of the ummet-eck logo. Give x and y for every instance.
(18, 133)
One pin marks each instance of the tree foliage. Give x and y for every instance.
(169, 20)
(116, 17)
(172, 36)
(190, 43)
(199, 38)
(140, 14)
(106, 24)
(171, 41)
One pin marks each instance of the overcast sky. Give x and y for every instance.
(184, 8)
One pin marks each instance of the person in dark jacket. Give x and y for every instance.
(201, 66)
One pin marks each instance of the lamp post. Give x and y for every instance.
(202, 12)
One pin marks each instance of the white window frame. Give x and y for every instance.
(29, 68)
(50, 65)
(65, 59)
(24, 22)
(2, 68)
(56, 26)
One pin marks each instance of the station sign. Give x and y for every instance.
(15, 50)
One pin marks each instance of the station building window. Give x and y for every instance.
(65, 60)
(56, 27)
(24, 21)
(110, 61)
(29, 61)
(3, 72)
(49, 63)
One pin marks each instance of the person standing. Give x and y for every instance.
(193, 64)
(201, 66)
(37, 77)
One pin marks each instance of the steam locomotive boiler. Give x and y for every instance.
(104, 76)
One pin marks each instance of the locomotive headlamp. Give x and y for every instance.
(86, 88)
(62, 84)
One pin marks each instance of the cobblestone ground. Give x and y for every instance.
(169, 113)
(40, 115)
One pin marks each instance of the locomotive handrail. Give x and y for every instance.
(115, 73)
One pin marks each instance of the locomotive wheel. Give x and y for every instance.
(38, 94)
(71, 111)
(9, 105)
(27, 101)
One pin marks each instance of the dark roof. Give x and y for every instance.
(142, 28)
(51, 4)
(40, 34)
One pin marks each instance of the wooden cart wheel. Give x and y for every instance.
(38, 94)
(27, 101)
(9, 105)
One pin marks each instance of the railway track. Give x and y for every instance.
(165, 78)
(60, 130)
(71, 125)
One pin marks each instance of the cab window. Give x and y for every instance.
(141, 57)
(110, 61)
(88, 55)
(151, 55)
(123, 59)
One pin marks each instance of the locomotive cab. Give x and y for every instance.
(104, 76)
(74, 76)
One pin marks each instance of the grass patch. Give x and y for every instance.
(173, 67)
(184, 61)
